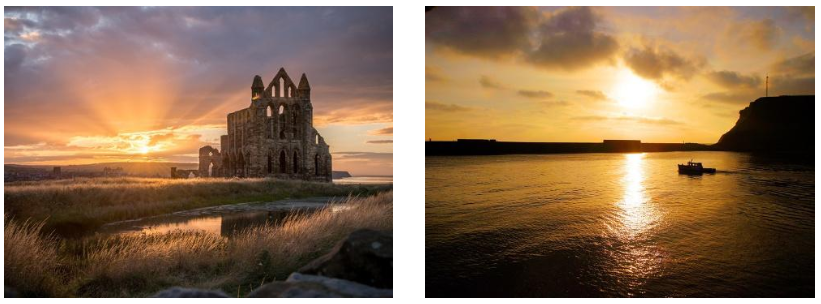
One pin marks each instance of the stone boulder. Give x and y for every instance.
(365, 256)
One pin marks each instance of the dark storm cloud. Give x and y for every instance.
(569, 40)
(203, 57)
(731, 80)
(661, 64)
(489, 32)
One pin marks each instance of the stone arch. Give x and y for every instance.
(207, 157)
(283, 167)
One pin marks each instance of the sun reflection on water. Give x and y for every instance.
(635, 257)
(637, 216)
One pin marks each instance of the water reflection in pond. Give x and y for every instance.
(221, 220)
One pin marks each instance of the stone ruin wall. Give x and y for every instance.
(273, 137)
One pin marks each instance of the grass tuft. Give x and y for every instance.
(30, 260)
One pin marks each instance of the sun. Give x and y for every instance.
(144, 150)
(631, 91)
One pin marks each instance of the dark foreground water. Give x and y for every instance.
(613, 225)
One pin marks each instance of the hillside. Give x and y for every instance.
(774, 124)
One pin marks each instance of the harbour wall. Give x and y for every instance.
(493, 147)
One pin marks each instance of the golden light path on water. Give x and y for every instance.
(635, 257)
(635, 213)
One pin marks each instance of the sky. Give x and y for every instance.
(91, 85)
(584, 74)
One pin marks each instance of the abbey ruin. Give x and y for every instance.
(273, 137)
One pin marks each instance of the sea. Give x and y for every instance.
(619, 225)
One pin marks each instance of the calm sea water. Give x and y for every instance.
(613, 225)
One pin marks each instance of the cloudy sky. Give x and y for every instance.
(90, 85)
(662, 74)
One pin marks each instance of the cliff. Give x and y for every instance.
(773, 124)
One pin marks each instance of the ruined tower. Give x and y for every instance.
(273, 137)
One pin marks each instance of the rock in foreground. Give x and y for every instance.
(365, 256)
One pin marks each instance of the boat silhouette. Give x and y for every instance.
(694, 168)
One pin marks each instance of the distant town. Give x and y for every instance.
(20, 173)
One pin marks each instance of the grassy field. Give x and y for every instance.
(76, 206)
(38, 264)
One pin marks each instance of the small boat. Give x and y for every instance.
(694, 168)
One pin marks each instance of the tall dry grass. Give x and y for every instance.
(30, 259)
(84, 204)
(140, 265)
(279, 250)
